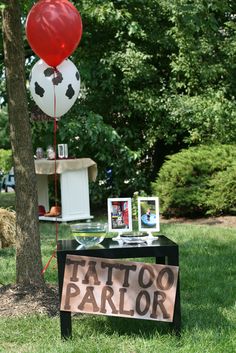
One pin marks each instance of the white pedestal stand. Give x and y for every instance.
(74, 178)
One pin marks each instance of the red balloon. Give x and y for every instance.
(53, 30)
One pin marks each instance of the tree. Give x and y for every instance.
(123, 60)
(28, 253)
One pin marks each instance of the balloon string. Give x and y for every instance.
(55, 172)
(48, 263)
(55, 151)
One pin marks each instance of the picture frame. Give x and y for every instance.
(148, 214)
(62, 150)
(119, 215)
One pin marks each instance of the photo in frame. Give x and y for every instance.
(148, 214)
(119, 215)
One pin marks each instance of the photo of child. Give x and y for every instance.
(119, 215)
(148, 210)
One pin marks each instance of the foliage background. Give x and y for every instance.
(156, 77)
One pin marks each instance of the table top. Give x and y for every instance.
(46, 166)
(114, 248)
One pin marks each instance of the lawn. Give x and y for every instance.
(208, 302)
(7, 200)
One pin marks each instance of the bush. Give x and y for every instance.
(223, 190)
(5, 160)
(198, 181)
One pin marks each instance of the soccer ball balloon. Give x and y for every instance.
(54, 90)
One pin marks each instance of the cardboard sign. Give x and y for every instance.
(119, 288)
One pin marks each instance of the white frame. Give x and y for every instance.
(149, 229)
(109, 212)
(62, 150)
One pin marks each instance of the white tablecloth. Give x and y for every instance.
(45, 166)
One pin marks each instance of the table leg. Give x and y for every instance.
(65, 316)
(174, 261)
(66, 326)
(177, 312)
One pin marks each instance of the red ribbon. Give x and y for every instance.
(48, 263)
(55, 172)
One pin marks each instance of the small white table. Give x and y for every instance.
(74, 176)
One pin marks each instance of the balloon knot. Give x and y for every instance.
(58, 78)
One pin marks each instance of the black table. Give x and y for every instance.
(163, 249)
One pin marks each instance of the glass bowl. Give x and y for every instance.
(89, 234)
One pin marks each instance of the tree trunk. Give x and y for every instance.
(28, 252)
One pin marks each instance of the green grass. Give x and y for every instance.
(7, 200)
(208, 302)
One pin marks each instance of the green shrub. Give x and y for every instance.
(5, 160)
(198, 181)
(222, 198)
